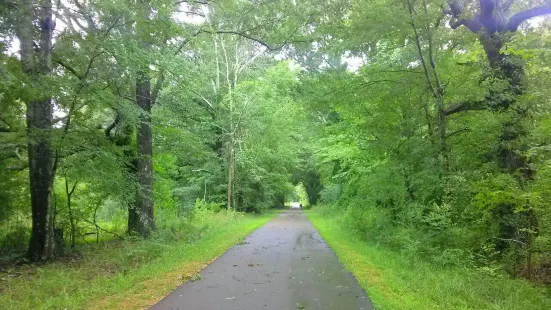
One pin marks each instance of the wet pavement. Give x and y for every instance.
(283, 265)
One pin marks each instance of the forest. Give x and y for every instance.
(132, 128)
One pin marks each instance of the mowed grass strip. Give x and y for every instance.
(393, 281)
(151, 270)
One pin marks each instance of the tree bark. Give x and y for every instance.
(133, 217)
(39, 125)
(144, 207)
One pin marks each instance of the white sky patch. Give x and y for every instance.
(353, 63)
(294, 66)
(414, 64)
(58, 112)
(280, 56)
(315, 46)
(187, 15)
(13, 48)
(538, 21)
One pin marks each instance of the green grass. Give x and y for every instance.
(396, 282)
(128, 274)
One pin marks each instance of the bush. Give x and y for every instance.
(331, 193)
(16, 239)
(452, 257)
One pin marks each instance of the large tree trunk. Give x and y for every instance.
(144, 208)
(39, 125)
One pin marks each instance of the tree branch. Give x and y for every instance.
(456, 11)
(112, 126)
(257, 40)
(8, 129)
(206, 2)
(456, 132)
(519, 18)
(159, 83)
(70, 193)
(68, 67)
(487, 8)
(80, 76)
(420, 51)
(18, 168)
(103, 229)
(511, 240)
(473, 25)
(464, 106)
(89, 20)
(90, 64)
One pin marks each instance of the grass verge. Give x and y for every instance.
(393, 281)
(128, 274)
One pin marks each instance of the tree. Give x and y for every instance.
(141, 219)
(414, 141)
(494, 22)
(39, 121)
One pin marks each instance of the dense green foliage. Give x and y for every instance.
(224, 125)
(425, 124)
(437, 146)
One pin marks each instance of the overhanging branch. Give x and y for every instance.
(519, 18)
(464, 106)
(257, 40)
(490, 16)
(457, 131)
(456, 11)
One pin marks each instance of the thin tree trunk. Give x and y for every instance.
(231, 143)
(69, 194)
(204, 194)
(230, 177)
(436, 89)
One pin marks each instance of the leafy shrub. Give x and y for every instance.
(452, 257)
(15, 239)
(330, 193)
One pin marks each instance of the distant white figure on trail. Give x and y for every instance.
(301, 206)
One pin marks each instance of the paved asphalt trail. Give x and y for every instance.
(283, 265)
